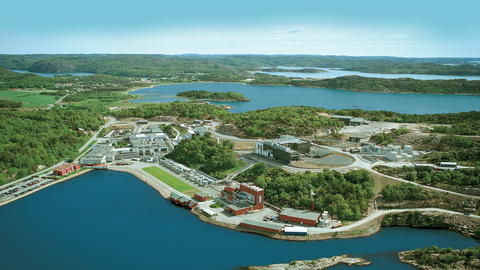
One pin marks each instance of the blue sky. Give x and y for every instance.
(358, 28)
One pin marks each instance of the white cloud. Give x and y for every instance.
(396, 36)
(297, 30)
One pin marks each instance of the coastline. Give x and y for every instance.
(50, 184)
(364, 230)
(350, 90)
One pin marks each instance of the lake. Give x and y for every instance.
(54, 74)
(334, 73)
(112, 220)
(263, 97)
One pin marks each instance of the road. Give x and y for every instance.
(112, 121)
(56, 102)
(376, 214)
(37, 173)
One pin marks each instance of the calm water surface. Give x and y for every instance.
(54, 74)
(263, 97)
(112, 220)
(334, 73)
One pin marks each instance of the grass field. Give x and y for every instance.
(240, 164)
(30, 99)
(172, 181)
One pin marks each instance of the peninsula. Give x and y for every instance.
(218, 96)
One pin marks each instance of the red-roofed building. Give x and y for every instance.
(66, 169)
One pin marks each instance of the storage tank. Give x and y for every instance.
(205, 182)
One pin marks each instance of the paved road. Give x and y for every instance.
(37, 173)
(56, 102)
(112, 121)
(376, 214)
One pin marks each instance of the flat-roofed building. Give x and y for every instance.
(264, 226)
(300, 216)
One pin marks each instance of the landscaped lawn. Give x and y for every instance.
(30, 99)
(172, 181)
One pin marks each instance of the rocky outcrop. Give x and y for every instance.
(444, 259)
(458, 223)
(164, 118)
(321, 263)
(229, 129)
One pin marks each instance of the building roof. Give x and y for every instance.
(201, 194)
(361, 120)
(183, 199)
(269, 225)
(237, 207)
(359, 136)
(65, 166)
(192, 203)
(301, 214)
(208, 211)
(175, 196)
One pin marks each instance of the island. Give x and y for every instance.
(218, 96)
(321, 263)
(446, 258)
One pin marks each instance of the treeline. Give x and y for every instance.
(419, 68)
(404, 191)
(461, 177)
(10, 104)
(382, 85)
(32, 138)
(9, 80)
(346, 195)
(204, 153)
(224, 96)
(165, 66)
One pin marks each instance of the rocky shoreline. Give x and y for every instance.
(320, 263)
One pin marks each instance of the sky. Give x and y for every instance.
(357, 28)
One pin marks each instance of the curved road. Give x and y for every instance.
(379, 213)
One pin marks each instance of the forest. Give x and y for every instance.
(235, 65)
(222, 96)
(32, 138)
(345, 195)
(205, 154)
(380, 85)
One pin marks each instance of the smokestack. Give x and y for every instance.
(313, 206)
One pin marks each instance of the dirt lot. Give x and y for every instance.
(244, 145)
(121, 126)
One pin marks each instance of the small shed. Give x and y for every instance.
(208, 212)
(201, 196)
(174, 197)
(264, 226)
(295, 231)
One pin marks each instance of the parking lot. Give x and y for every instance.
(23, 187)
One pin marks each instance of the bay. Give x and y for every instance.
(263, 97)
(112, 220)
(334, 73)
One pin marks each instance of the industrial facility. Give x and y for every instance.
(304, 217)
(243, 198)
(350, 120)
(66, 169)
(287, 149)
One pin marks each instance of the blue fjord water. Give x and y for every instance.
(263, 97)
(112, 220)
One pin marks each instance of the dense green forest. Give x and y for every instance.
(405, 191)
(381, 85)
(186, 66)
(10, 104)
(445, 258)
(204, 153)
(223, 96)
(32, 138)
(346, 195)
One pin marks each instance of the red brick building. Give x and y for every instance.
(244, 198)
(66, 169)
(300, 216)
(201, 196)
